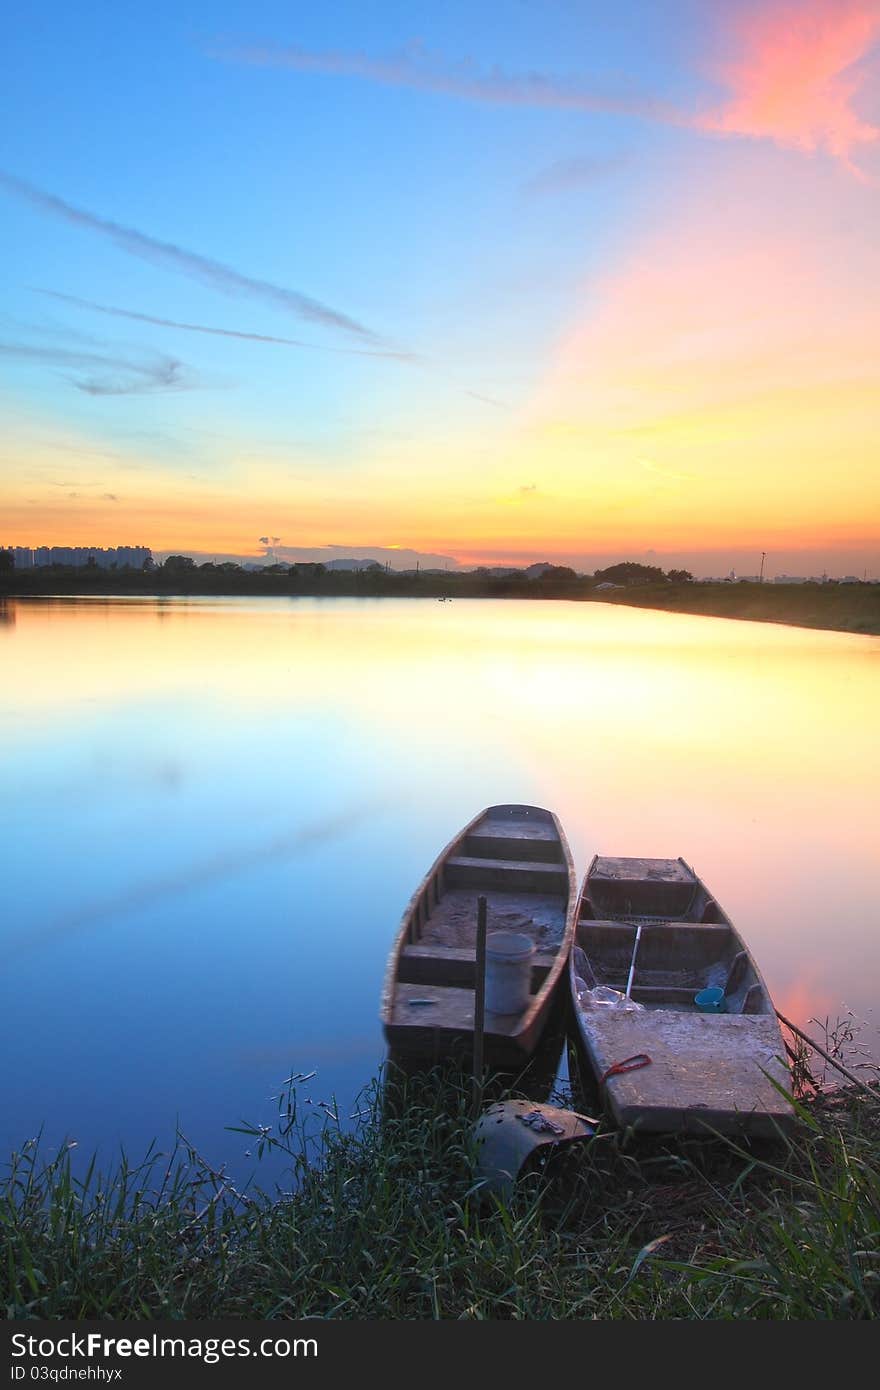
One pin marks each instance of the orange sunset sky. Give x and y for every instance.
(570, 282)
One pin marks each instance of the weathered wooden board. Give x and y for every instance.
(453, 965)
(642, 870)
(641, 887)
(706, 1069)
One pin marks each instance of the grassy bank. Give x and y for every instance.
(386, 1222)
(840, 607)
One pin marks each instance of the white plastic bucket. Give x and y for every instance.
(508, 971)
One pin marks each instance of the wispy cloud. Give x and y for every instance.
(790, 67)
(77, 483)
(164, 253)
(793, 75)
(115, 312)
(104, 375)
(566, 174)
(74, 483)
(164, 375)
(486, 400)
(415, 67)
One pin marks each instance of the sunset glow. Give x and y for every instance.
(562, 288)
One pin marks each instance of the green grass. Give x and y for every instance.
(841, 607)
(388, 1221)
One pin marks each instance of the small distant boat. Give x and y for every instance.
(518, 858)
(649, 930)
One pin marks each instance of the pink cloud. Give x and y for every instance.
(790, 67)
(795, 77)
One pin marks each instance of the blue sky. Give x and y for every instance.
(419, 172)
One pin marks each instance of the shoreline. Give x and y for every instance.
(853, 609)
(850, 608)
(387, 1221)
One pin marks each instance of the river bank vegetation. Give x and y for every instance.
(845, 607)
(386, 1220)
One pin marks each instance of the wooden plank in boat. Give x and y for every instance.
(642, 870)
(484, 843)
(497, 828)
(452, 965)
(705, 1070)
(451, 1009)
(466, 871)
(623, 887)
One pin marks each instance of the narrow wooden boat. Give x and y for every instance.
(517, 857)
(671, 1067)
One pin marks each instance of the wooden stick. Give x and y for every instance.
(479, 1006)
(827, 1055)
(632, 967)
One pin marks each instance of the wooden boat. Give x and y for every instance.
(517, 857)
(704, 1069)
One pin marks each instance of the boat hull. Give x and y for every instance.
(516, 857)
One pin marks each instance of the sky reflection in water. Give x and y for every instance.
(215, 813)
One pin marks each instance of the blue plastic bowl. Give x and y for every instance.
(710, 1001)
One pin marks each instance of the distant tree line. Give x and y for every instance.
(630, 573)
(180, 574)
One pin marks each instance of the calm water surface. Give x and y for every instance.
(214, 813)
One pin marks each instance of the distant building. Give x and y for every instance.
(22, 556)
(77, 556)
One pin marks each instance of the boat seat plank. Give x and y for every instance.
(623, 887)
(452, 1010)
(451, 965)
(689, 956)
(508, 866)
(613, 924)
(681, 995)
(494, 828)
(524, 875)
(679, 991)
(706, 1069)
(633, 870)
(485, 844)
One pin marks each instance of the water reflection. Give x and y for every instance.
(185, 930)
